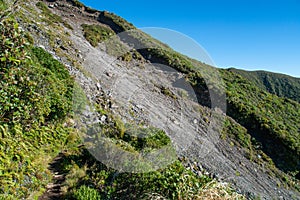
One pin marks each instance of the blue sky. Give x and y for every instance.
(248, 34)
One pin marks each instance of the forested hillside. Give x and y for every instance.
(280, 84)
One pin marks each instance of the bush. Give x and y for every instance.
(86, 193)
(35, 88)
(35, 98)
(95, 34)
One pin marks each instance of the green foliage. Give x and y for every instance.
(96, 33)
(146, 138)
(168, 92)
(41, 5)
(48, 62)
(266, 116)
(127, 57)
(238, 132)
(86, 193)
(116, 22)
(2, 5)
(35, 97)
(80, 5)
(18, 91)
(35, 88)
(60, 89)
(24, 157)
(279, 84)
(174, 182)
(50, 17)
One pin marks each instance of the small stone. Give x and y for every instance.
(108, 74)
(51, 6)
(195, 121)
(103, 118)
(176, 122)
(43, 47)
(114, 106)
(79, 56)
(98, 86)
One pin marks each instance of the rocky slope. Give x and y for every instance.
(143, 92)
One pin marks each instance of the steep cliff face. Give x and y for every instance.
(133, 79)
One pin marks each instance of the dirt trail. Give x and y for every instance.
(53, 189)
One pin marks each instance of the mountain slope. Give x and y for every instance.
(279, 84)
(128, 89)
(269, 119)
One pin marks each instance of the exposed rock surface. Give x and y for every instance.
(132, 88)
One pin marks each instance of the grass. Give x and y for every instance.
(173, 182)
(34, 102)
(2, 5)
(86, 193)
(96, 33)
(119, 24)
(51, 17)
(80, 5)
(166, 91)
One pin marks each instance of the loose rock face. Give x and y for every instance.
(132, 94)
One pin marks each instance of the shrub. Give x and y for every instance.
(35, 97)
(86, 193)
(95, 34)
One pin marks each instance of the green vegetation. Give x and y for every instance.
(34, 102)
(117, 23)
(96, 33)
(51, 17)
(168, 92)
(2, 5)
(86, 193)
(269, 118)
(77, 3)
(80, 5)
(26, 73)
(279, 84)
(174, 182)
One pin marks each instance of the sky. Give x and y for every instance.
(245, 34)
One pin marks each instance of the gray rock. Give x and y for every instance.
(103, 118)
(98, 86)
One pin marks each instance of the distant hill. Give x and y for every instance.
(280, 84)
